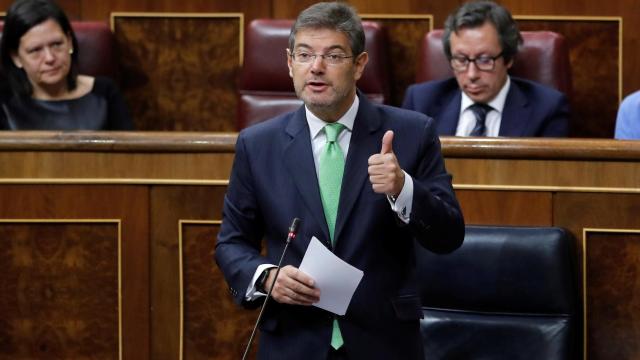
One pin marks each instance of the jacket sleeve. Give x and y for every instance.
(436, 219)
(237, 250)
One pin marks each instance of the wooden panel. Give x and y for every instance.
(540, 173)
(289, 9)
(98, 167)
(593, 50)
(214, 326)
(100, 10)
(70, 7)
(623, 8)
(613, 294)
(505, 207)
(576, 211)
(59, 290)
(172, 83)
(169, 205)
(405, 33)
(106, 156)
(130, 205)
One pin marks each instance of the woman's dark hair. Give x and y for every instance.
(21, 17)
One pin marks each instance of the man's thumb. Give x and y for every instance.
(387, 142)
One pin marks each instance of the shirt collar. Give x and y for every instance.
(498, 101)
(316, 124)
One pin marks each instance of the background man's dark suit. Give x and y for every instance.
(529, 110)
(274, 180)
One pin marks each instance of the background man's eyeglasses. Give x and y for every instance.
(330, 59)
(483, 63)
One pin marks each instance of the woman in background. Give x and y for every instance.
(42, 89)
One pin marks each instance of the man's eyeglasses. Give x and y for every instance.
(303, 57)
(483, 63)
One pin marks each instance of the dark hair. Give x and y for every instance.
(331, 15)
(475, 14)
(21, 17)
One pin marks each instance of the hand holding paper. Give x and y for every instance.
(336, 279)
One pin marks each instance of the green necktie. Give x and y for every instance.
(330, 168)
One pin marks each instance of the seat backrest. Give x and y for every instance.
(96, 55)
(543, 57)
(265, 88)
(97, 48)
(506, 293)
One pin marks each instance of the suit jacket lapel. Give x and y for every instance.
(298, 159)
(448, 121)
(516, 113)
(363, 144)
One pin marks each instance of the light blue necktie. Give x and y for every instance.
(331, 168)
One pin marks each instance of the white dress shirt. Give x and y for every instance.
(467, 120)
(401, 205)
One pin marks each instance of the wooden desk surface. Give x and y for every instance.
(159, 196)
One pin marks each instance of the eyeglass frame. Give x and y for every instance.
(469, 60)
(324, 57)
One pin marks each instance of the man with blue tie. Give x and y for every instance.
(480, 41)
(367, 180)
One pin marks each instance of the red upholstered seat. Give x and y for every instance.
(96, 48)
(543, 57)
(265, 88)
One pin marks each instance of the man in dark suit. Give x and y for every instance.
(480, 40)
(393, 193)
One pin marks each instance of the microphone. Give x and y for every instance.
(293, 231)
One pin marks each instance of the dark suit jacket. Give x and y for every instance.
(273, 180)
(530, 109)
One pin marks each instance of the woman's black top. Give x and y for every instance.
(103, 108)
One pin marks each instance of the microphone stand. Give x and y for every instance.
(293, 230)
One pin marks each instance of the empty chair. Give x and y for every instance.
(543, 57)
(506, 293)
(265, 88)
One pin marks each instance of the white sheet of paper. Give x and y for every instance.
(336, 279)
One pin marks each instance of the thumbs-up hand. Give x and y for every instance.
(385, 173)
(387, 142)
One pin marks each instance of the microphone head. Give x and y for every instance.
(293, 229)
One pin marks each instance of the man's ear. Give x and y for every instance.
(289, 63)
(509, 64)
(361, 62)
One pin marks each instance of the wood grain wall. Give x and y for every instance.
(627, 9)
(192, 95)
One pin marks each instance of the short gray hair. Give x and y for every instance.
(335, 16)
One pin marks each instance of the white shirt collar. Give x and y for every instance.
(316, 124)
(497, 103)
